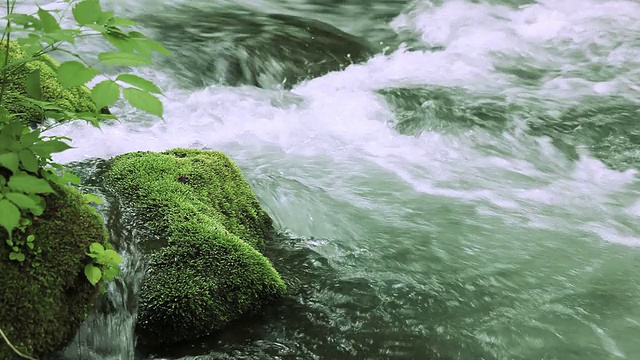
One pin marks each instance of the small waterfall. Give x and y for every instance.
(108, 332)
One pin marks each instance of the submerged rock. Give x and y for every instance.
(244, 47)
(606, 126)
(210, 271)
(421, 108)
(75, 99)
(46, 297)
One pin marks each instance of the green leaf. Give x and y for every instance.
(112, 257)
(20, 257)
(30, 238)
(87, 12)
(110, 272)
(118, 33)
(44, 149)
(99, 28)
(30, 245)
(90, 118)
(29, 161)
(13, 256)
(118, 21)
(105, 17)
(10, 161)
(144, 101)
(92, 273)
(137, 81)
(74, 73)
(123, 59)
(49, 23)
(158, 47)
(37, 104)
(52, 176)
(31, 45)
(105, 93)
(25, 20)
(92, 198)
(12, 130)
(9, 215)
(121, 43)
(70, 178)
(29, 138)
(3, 110)
(145, 46)
(55, 116)
(136, 35)
(29, 184)
(37, 211)
(32, 85)
(64, 35)
(15, 248)
(21, 200)
(96, 248)
(151, 45)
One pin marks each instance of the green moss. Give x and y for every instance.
(210, 272)
(75, 99)
(43, 306)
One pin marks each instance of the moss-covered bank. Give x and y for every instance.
(211, 271)
(75, 99)
(45, 299)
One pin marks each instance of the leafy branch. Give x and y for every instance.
(27, 170)
(25, 155)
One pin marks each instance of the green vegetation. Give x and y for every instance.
(210, 272)
(104, 266)
(74, 99)
(51, 241)
(45, 298)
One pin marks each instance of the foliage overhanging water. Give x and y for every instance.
(471, 193)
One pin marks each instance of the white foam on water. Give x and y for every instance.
(329, 132)
(564, 36)
(339, 116)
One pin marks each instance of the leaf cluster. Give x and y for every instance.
(45, 35)
(33, 87)
(105, 265)
(27, 169)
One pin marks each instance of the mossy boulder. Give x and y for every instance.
(74, 99)
(210, 271)
(45, 298)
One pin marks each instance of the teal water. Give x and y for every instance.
(469, 192)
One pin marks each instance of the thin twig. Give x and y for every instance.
(13, 347)
(7, 32)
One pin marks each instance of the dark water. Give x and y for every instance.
(469, 191)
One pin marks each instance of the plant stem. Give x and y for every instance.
(7, 33)
(13, 347)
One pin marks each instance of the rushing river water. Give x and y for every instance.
(469, 192)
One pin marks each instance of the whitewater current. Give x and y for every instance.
(418, 228)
